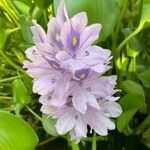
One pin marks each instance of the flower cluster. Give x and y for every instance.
(67, 71)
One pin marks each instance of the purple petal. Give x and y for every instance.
(46, 50)
(54, 64)
(81, 74)
(66, 122)
(79, 100)
(71, 31)
(53, 34)
(73, 40)
(39, 35)
(80, 127)
(89, 35)
(62, 15)
(111, 109)
(32, 54)
(95, 57)
(45, 84)
(63, 85)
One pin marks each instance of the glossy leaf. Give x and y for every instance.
(132, 87)
(130, 104)
(16, 134)
(49, 125)
(105, 12)
(145, 78)
(20, 92)
(23, 8)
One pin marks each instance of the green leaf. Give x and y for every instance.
(135, 45)
(105, 12)
(143, 125)
(49, 125)
(145, 78)
(132, 87)
(2, 38)
(146, 134)
(20, 92)
(23, 8)
(130, 104)
(145, 14)
(16, 134)
(43, 3)
(25, 28)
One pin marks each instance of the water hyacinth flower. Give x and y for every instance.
(89, 86)
(67, 71)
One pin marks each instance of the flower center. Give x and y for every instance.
(57, 36)
(74, 41)
(81, 74)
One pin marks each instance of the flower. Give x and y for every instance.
(98, 120)
(67, 72)
(89, 86)
(78, 52)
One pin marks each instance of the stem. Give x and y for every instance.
(47, 141)
(98, 138)
(94, 141)
(32, 112)
(6, 97)
(12, 63)
(118, 26)
(10, 78)
(115, 37)
(122, 44)
(74, 145)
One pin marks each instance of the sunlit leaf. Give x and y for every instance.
(145, 14)
(23, 8)
(105, 12)
(16, 134)
(2, 38)
(43, 3)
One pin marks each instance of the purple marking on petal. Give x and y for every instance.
(89, 89)
(53, 80)
(73, 40)
(56, 39)
(54, 64)
(81, 74)
(63, 16)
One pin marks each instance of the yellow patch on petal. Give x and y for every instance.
(57, 36)
(74, 40)
(82, 76)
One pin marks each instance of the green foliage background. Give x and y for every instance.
(125, 31)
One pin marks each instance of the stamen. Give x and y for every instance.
(74, 40)
(82, 76)
(57, 36)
